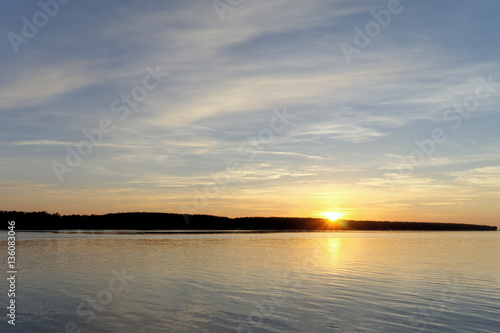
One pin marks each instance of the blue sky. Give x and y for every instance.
(348, 142)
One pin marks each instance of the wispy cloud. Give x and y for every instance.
(35, 86)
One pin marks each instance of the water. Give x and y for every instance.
(279, 282)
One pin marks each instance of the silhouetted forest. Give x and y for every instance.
(167, 221)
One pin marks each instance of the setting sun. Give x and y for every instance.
(333, 216)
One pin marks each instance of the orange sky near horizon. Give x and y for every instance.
(368, 206)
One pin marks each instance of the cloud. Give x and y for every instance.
(484, 177)
(38, 85)
(37, 143)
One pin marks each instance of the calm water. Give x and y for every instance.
(280, 282)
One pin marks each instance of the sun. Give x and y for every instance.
(333, 216)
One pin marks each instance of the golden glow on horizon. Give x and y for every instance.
(333, 216)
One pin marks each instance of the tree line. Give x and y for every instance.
(169, 221)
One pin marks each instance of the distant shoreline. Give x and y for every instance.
(178, 223)
(218, 232)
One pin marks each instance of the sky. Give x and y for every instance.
(378, 110)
